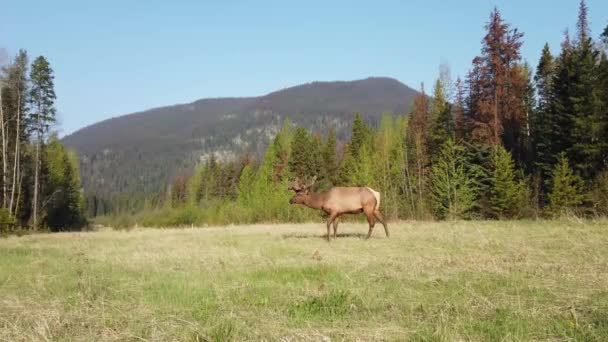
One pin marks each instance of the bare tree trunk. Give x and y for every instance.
(36, 171)
(4, 156)
(18, 193)
(17, 162)
(496, 125)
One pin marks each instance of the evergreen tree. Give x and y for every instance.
(586, 152)
(560, 121)
(566, 190)
(42, 102)
(541, 122)
(507, 193)
(454, 190)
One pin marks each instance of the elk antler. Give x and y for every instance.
(296, 185)
(312, 182)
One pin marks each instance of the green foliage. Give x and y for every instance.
(454, 190)
(567, 189)
(507, 193)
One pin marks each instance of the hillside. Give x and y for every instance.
(140, 151)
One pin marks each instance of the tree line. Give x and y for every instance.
(39, 177)
(508, 141)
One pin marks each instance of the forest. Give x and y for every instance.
(39, 178)
(507, 141)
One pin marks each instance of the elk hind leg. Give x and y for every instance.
(336, 226)
(372, 221)
(379, 217)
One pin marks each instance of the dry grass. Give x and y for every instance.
(520, 280)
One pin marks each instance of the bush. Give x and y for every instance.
(599, 194)
(8, 223)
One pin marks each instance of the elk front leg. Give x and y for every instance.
(336, 227)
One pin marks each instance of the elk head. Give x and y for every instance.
(302, 190)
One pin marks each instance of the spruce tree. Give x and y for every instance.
(454, 190)
(507, 193)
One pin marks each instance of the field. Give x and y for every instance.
(518, 280)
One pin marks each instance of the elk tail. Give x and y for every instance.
(377, 196)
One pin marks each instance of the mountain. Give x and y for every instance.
(139, 152)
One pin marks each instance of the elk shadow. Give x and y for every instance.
(322, 236)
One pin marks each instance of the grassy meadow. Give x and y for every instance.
(481, 281)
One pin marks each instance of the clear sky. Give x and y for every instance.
(114, 57)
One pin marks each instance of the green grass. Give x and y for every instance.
(512, 280)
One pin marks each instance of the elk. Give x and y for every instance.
(338, 201)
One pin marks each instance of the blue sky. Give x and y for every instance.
(115, 57)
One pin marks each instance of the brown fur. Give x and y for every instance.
(338, 201)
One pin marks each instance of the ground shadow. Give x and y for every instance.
(322, 236)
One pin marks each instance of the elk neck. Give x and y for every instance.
(315, 201)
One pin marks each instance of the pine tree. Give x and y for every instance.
(454, 190)
(566, 189)
(507, 193)
(42, 102)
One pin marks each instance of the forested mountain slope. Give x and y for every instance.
(139, 152)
